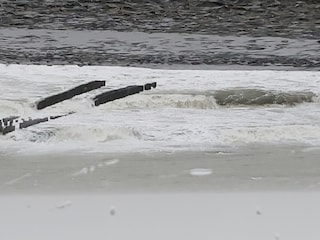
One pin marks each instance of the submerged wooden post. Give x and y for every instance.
(7, 129)
(148, 86)
(22, 123)
(7, 123)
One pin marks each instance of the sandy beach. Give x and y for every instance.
(254, 215)
(253, 168)
(257, 192)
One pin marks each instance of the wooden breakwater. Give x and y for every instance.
(12, 123)
(83, 88)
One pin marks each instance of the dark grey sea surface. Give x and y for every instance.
(185, 33)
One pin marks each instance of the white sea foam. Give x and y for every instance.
(200, 172)
(181, 113)
(284, 133)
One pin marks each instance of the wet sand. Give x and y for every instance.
(260, 192)
(229, 216)
(254, 168)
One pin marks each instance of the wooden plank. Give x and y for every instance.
(8, 129)
(116, 94)
(121, 93)
(148, 86)
(5, 123)
(22, 123)
(13, 123)
(51, 100)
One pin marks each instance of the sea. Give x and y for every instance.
(188, 110)
(230, 76)
(226, 146)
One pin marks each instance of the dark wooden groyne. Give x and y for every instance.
(12, 123)
(7, 123)
(49, 101)
(121, 93)
(22, 123)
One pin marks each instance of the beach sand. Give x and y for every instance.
(253, 168)
(256, 192)
(245, 215)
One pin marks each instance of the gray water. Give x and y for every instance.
(268, 34)
(92, 47)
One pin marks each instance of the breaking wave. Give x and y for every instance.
(261, 97)
(75, 134)
(214, 99)
(209, 99)
(167, 99)
(272, 134)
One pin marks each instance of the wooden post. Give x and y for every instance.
(48, 101)
(121, 93)
(22, 123)
(13, 123)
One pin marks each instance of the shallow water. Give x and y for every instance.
(162, 33)
(189, 109)
(84, 47)
(284, 18)
(239, 169)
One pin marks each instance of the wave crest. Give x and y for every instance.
(260, 97)
(173, 100)
(76, 134)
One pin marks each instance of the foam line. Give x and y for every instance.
(11, 124)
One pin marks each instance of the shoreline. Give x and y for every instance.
(247, 169)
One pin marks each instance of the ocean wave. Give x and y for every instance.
(272, 134)
(188, 109)
(261, 97)
(14, 107)
(78, 133)
(214, 99)
(166, 99)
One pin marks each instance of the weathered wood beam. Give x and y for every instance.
(148, 86)
(121, 93)
(49, 101)
(18, 123)
(6, 122)
(13, 123)
(8, 129)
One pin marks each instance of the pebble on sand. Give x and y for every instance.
(112, 210)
